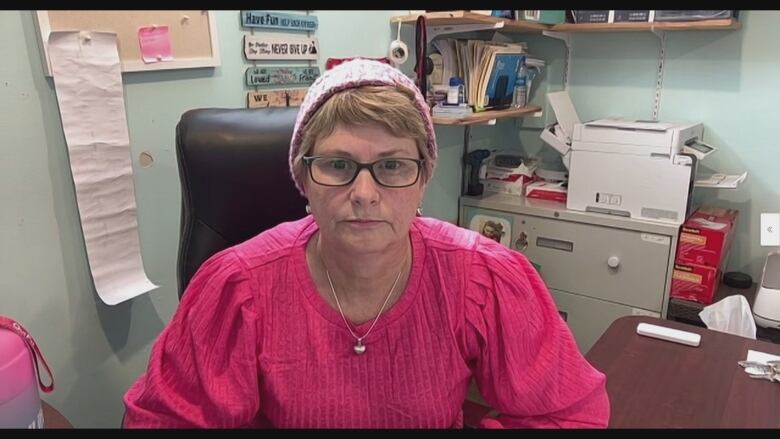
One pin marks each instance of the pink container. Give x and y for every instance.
(20, 403)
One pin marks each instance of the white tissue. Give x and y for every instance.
(732, 315)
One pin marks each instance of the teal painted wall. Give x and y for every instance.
(725, 79)
(97, 351)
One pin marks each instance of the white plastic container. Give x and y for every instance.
(456, 92)
(20, 403)
(520, 94)
(766, 307)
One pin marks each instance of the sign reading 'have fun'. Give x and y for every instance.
(276, 20)
(258, 47)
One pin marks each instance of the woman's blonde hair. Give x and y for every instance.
(392, 108)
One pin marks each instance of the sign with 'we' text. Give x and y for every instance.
(292, 97)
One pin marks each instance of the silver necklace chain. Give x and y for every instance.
(359, 348)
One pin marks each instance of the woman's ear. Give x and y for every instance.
(423, 187)
(305, 186)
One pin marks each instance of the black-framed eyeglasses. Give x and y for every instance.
(340, 171)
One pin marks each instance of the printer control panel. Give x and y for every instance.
(608, 199)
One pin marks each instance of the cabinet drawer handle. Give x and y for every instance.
(613, 262)
(557, 244)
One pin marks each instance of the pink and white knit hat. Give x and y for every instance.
(354, 74)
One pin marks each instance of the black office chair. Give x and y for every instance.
(235, 180)
(235, 183)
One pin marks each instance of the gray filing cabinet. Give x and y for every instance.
(598, 267)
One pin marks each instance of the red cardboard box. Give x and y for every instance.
(705, 237)
(694, 282)
(546, 190)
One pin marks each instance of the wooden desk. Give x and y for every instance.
(658, 384)
(52, 418)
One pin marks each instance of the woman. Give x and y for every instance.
(364, 314)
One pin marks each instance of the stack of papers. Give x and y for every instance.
(494, 85)
(454, 111)
(721, 181)
(474, 61)
(533, 62)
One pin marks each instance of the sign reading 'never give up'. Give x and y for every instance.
(280, 47)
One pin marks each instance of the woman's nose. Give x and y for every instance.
(364, 188)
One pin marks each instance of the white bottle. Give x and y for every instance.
(455, 92)
(520, 95)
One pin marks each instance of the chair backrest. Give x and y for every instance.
(235, 180)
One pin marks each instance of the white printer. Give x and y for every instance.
(766, 308)
(638, 169)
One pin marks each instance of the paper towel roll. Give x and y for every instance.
(88, 82)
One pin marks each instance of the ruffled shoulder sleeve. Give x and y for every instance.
(202, 370)
(524, 357)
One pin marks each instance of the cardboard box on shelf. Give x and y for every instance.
(679, 15)
(632, 16)
(706, 236)
(695, 282)
(542, 16)
(592, 16)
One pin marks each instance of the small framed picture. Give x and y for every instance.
(493, 227)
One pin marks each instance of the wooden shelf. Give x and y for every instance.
(446, 18)
(723, 24)
(485, 116)
(464, 17)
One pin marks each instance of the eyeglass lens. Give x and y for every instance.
(337, 171)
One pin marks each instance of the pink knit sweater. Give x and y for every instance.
(253, 344)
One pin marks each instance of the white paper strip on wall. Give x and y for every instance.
(88, 82)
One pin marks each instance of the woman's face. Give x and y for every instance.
(364, 216)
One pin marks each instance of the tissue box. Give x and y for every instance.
(546, 190)
(694, 282)
(507, 173)
(513, 185)
(706, 236)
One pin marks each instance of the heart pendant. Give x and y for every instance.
(359, 348)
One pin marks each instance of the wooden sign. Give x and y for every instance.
(276, 20)
(292, 97)
(280, 47)
(281, 75)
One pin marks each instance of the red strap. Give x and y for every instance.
(14, 326)
(421, 45)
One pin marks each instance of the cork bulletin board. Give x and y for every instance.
(193, 35)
